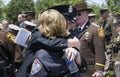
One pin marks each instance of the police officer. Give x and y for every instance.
(92, 17)
(114, 47)
(106, 23)
(15, 58)
(92, 42)
(69, 12)
(30, 16)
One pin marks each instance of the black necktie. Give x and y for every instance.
(78, 30)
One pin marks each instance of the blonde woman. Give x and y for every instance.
(49, 62)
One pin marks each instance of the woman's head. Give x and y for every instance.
(52, 24)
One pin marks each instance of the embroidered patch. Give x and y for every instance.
(36, 66)
(10, 36)
(100, 32)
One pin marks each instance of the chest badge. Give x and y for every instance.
(100, 32)
(87, 34)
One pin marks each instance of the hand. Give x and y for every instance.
(71, 53)
(74, 43)
(97, 74)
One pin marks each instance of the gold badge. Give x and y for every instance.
(10, 36)
(100, 32)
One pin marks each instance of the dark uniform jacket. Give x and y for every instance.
(45, 63)
(40, 42)
(92, 48)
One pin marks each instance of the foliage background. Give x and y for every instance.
(15, 7)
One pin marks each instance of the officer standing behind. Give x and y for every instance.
(92, 18)
(114, 47)
(106, 23)
(10, 53)
(92, 42)
(30, 16)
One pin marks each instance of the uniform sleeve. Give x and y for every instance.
(99, 46)
(38, 41)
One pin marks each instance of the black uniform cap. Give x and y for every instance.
(67, 11)
(103, 10)
(31, 13)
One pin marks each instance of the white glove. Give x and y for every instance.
(71, 53)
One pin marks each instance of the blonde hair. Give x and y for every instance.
(52, 24)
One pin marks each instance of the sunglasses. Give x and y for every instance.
(78, 14)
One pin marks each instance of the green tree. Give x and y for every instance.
(42, 5)
(16, 7)
(113, 5)
(1, 10)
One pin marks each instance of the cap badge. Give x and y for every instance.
(70, 9)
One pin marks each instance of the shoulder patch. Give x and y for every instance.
(36, 66)
(10, 36)
(100, 32)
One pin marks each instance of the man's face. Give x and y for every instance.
(20, 19)
(106, 14)
(81, 17)
(27, 17)
(5, 24)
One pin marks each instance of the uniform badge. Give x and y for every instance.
(70, 9)
(87, 34)
(10, 36)
(100, 32)
(36, 66)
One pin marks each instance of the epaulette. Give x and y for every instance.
(100, 32)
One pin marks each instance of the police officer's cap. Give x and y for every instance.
(28, 23)
(31, 13)
(103, 10)
(67, 11)
(91, 15)
(14, 27)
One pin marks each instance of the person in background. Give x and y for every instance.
(114, 48)
(21, 19)
(106, 23)
(5, 24)
(91, 17)
(10, 53)
(30, 16)
(92, 42)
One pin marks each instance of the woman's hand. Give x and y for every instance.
(73, 54)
